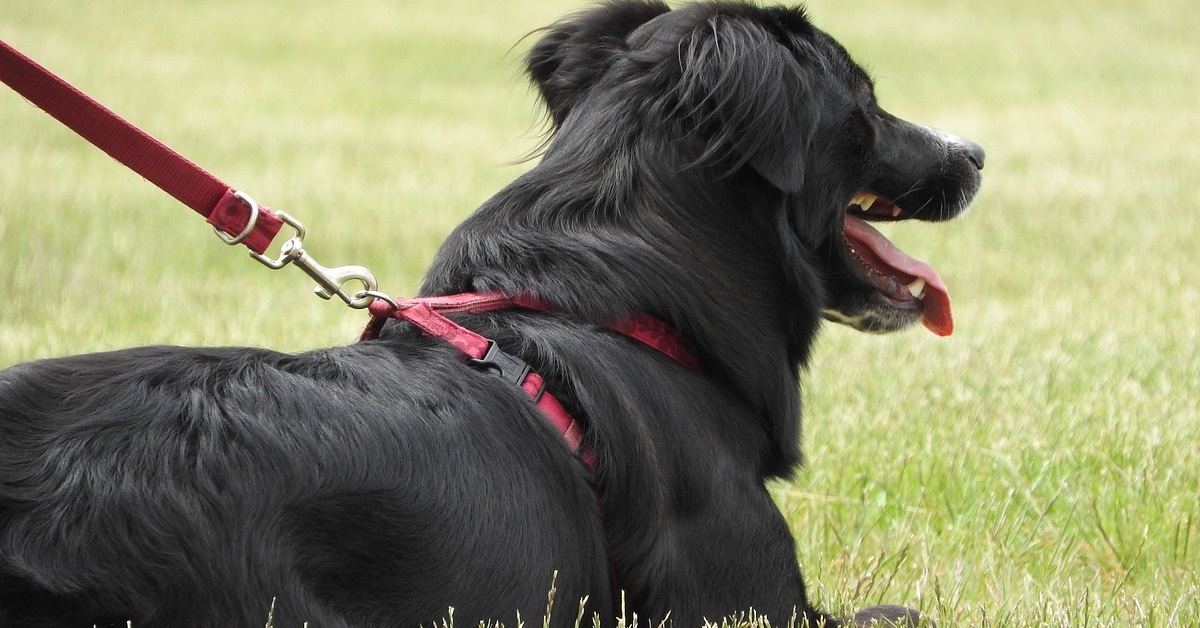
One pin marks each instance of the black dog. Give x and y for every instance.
(711, 167)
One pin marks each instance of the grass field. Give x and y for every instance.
(1038, 468)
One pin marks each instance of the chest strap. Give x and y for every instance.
(428, 314)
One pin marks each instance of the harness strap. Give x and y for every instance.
(484, 353)
(226, 209)
(428, 314)
(643, 328)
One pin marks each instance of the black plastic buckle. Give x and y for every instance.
(507, 367)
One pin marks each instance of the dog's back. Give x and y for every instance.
(195, 486)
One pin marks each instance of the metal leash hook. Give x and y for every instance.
(330, 281)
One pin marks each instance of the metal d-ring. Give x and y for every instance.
(250, 224)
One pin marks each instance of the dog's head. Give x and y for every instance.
(741, 88)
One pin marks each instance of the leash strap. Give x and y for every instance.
(229, 211)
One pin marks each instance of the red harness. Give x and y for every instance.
(428, 314)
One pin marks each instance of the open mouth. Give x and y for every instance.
(909, 284)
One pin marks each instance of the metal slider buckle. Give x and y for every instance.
(250, 222)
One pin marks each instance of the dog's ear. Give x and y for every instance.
(573, 54)
(745, 84)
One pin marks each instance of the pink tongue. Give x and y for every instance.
(936, 316)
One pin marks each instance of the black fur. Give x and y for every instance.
(701, 163)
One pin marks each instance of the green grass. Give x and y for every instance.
(1038, 468)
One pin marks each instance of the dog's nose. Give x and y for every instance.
(975, 154)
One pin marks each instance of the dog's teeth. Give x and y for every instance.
(895, 211)
(917, 287)
(863, 200)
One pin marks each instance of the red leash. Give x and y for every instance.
(223, 207)
(235, 216)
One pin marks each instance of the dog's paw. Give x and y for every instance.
(890, 616)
